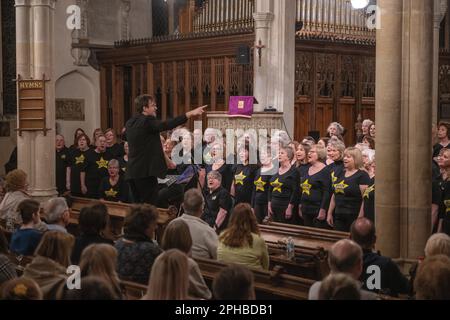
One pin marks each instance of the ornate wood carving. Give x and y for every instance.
(349, 74)
(303, 74)
(368, 76)
(326, 74)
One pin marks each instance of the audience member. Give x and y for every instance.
(241, 242)
(137, 250)
(7, 268)
(92, 288)
(234, 282)
(16, 186)
(438, 243)
(433, 279)
(339, 286)
(23, 289)
(57, 214)
(172, 265)
(177, 236)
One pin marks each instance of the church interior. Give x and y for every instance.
(305, 221)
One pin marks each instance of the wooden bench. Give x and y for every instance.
(117, 213)
(132, 290)
(272, 285)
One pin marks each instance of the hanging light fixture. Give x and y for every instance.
(359, 4)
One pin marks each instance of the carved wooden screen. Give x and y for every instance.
(333, 87)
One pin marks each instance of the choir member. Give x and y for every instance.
(244, 176)
(114, 148)
(444, 207)
(261, 185)
(444, 138)
(114, 188)
(77, 161)
(62, 162)
(369, 194)
(335, 153)
(220, 165)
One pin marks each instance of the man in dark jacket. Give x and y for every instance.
(146, 160)
(393, 282)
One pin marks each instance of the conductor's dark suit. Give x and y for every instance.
(146, 160)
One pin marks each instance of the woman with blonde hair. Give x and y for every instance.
(178, 236)
(241, 242)
(52, 257)
(100, 260)
(444, 191)
(348, 189)
(169, 279)
(315, 189)
(335, 154)
(16, 187)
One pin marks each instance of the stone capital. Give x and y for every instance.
(440, 8)
(22, 3)
(43, 3)
(263, 19)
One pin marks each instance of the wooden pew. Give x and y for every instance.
(272, 285)
(132, 290)
(117, 213)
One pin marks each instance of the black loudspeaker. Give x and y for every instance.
(243, 55)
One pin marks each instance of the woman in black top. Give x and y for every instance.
(444, 138)
(114, 188)
(444, 187)
(315, 189)
(114, 148)
(218, 164)
(335, 150)
(369, 194)
(283, 194)
(244, 176)
(76, 135)
(218, 204)
(261, 185)
(77, 160)
(346, 202)
(302, 162)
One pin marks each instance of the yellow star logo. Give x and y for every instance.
(333, 178)
(368, 191)
(260, 184)
(277, 186)
(124, 169)
(340, 187)
(102, 163)
(447, 206)
(306, 187)
(239, 179)
(111, 193)
(80, 159)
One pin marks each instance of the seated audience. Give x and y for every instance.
(92, 288)
(16, 186)
(92, 222)
(49, 266)
(393, 282)
(346, 257)
(7, 268)
(100, 260)
(177, 236)
(433, 279)
(57, 214)
(21, 289)
(241, 242)
(234, 283)
(339, 286)
(438, 243)
(26, 239)
(137, 250)
(204, 238)
(172, 266)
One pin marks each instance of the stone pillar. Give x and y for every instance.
(1, 65)
(261, 77)
(416, 126)
(277, 76)
(35, 46)
(440, 8)
(388, 112)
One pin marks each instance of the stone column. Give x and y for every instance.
(36, 151)
(274, 81)
(388, 112)
(261, 76)
(1, 65)
(440, 8)
(416, 126)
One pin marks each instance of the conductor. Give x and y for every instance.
(146, 161)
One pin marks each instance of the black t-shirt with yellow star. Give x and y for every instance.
(77, 161)
(369, 201)
(284, 188)
(96, 168)
(243, 182)
(116, 151)
(62, 162)
(216, 200)
(315, 191)
(336, 169)
(261, 187)
(347, 192)
(444, 207)
(123, 165)
(116, 193)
